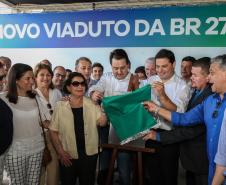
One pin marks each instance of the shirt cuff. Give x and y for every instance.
(220, 160)
(175, 118)
(158, 137)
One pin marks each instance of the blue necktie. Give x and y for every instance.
(197, 93)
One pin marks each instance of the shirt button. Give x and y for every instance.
(211, 140)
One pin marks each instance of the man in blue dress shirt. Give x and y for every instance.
(210, 112)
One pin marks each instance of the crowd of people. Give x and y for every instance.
(65, 107)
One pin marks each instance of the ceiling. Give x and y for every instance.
(37, 6)
(42, 2)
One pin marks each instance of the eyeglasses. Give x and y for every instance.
(76, 83)
(49, 106)
(2, 77)
(215, 112)
(58, 75)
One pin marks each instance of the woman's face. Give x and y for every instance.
(26, 82)
(77, 87)
(43, 78)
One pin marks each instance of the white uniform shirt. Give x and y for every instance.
(178, 92)
(111, 86)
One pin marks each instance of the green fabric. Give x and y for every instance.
(128, 115)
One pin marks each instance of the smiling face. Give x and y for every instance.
(25, 83)
(85, 68)
(150, 69)
(77, 87)
(43, 78)
(59, 77)
(97, 72)
(120, 68)
(164, 68)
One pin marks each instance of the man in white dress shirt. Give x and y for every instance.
(172, 93)
(115, 83)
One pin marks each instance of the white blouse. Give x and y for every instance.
(27, 133)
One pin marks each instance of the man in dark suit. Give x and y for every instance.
(6, 133)
(192, 139)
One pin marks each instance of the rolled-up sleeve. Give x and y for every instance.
(100, 86)
(183, 98)
(220, 157)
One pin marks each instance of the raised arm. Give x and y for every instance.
(159, 89)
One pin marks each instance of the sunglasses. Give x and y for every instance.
(76, 83)
(49, 106)
(215, 112)
(2, 77)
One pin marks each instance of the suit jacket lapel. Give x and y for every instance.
(203, 95)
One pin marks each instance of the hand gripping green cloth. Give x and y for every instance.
(127, 114)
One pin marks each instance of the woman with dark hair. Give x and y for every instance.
(48, 96)
(24, 157)
(73, 131)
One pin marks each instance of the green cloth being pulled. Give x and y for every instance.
(127, 114)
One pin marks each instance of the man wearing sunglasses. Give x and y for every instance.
(210, 112)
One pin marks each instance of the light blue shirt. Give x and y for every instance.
(203, 113)
(220, 157)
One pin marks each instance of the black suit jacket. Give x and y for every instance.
(6, 126)
(192, 140)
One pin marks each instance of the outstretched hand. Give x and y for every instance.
(150, 106)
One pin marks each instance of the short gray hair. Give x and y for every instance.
(150, 60)
(220, 60)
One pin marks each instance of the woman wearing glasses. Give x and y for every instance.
(48, 96)
(24, 157)
(73, 131)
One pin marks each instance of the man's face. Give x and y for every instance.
(164, 68)
(186, 69)
(150, 69)
(199, 78)
(59, 77)
(85, 68)
(120, 68)
(2, 79)
(97, 73)
(217, 78)
(6, 66)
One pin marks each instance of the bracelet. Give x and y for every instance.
(156, 111)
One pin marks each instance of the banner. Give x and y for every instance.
(194, 26)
